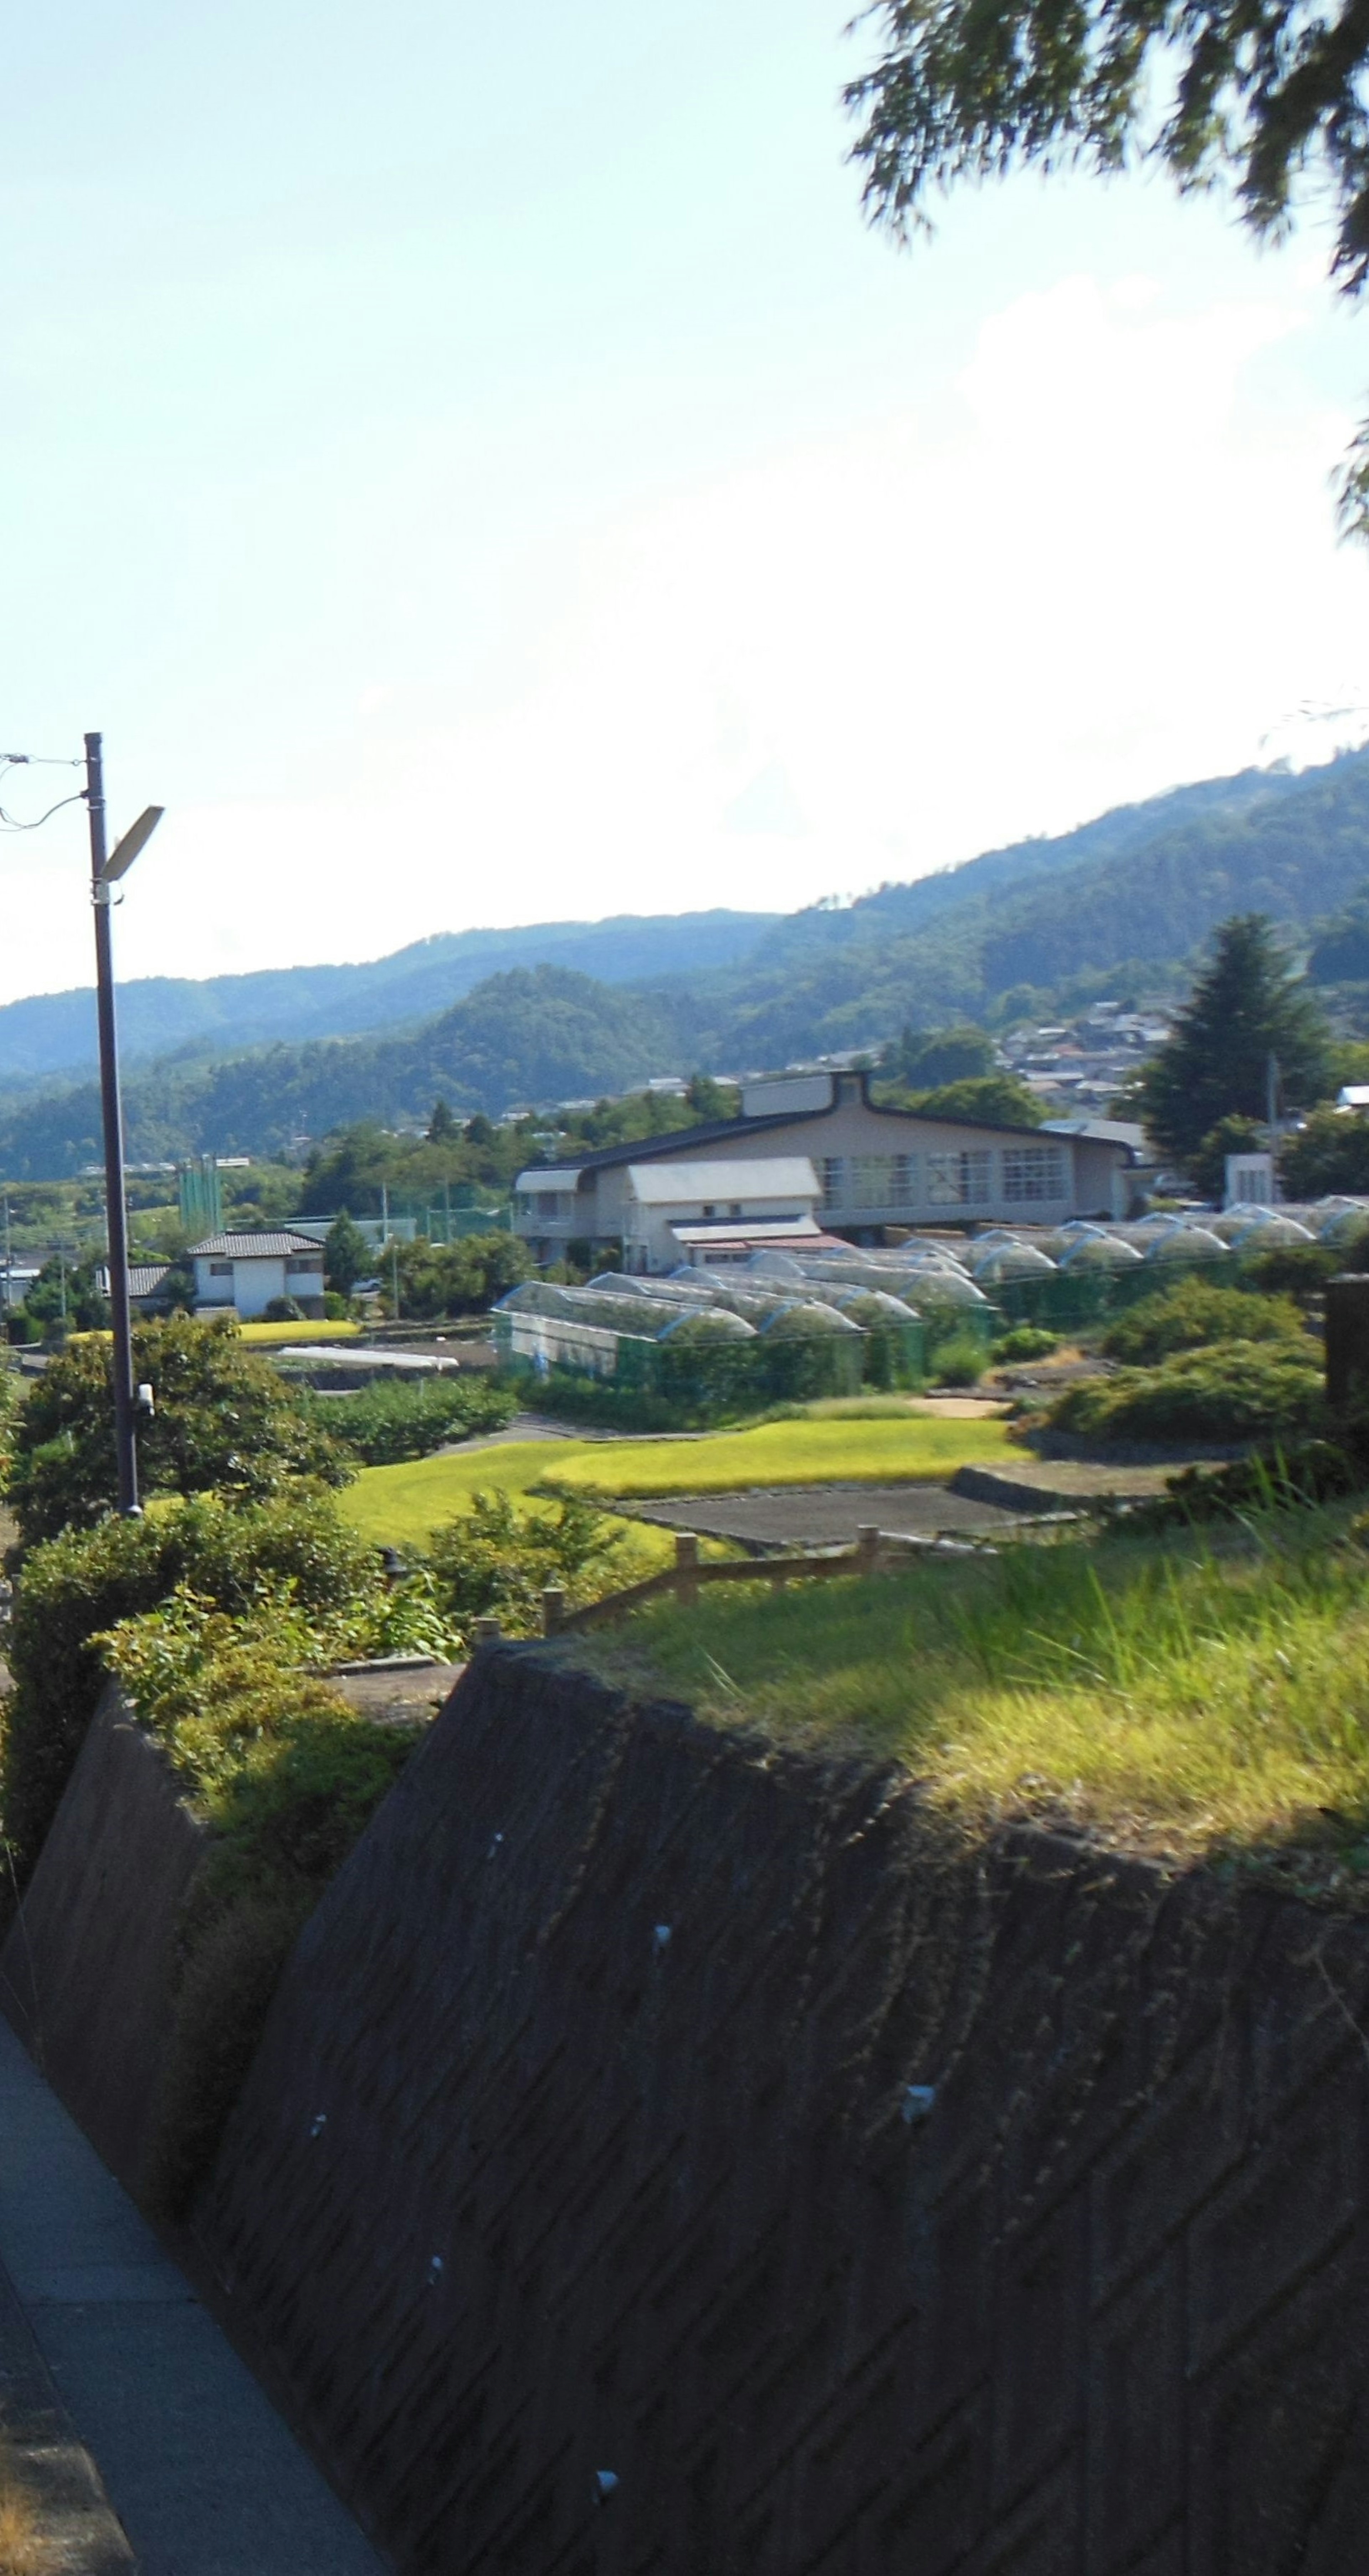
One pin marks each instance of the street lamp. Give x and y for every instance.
(105, 870)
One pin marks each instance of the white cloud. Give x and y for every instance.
(1101, 561)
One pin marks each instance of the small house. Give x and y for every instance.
(248, 1272)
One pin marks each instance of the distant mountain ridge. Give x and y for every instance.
(54, 1033)
(1126, 899)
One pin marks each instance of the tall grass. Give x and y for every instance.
(1188, 1696)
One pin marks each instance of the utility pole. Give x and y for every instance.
(125, 1437)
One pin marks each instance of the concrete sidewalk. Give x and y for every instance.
(204, 2475)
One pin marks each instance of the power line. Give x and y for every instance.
(8, 822)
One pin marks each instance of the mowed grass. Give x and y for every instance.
(1177, 1697)
(272, 1336)
(399, 1505)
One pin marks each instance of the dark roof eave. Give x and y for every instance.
(652, 1148)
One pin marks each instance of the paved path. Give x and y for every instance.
(202, 2472)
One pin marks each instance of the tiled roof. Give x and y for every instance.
(250, 1247)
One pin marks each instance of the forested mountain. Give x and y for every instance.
(54, 1033)
(1124, 903)
(541, 1033)
(1117, 903)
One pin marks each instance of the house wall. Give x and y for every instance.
(250, 1286)
(880, 1170)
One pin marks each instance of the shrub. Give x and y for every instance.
(400, 1419)
(286, 1775)
(1194, 1315)
(293, 1547)
(283, 1310)
(1024, 1342)
(1305, 1472)
(1232, 1391)
(1297, 1270)
(462, 1278)
(495, 1561)
(10, 1397)
(223, 1420)
(959, 1362)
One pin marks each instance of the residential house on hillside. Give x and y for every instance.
(247, 1272)
(872, 1169)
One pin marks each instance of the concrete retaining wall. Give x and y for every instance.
(85, 1972)
(581, 2147)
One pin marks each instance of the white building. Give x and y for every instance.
(248, 1271)
(717, 1210)
(872, 1169)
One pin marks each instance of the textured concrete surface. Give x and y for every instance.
(826, 1515)
(203, 2474)
(80, 2532)
(648, 2105)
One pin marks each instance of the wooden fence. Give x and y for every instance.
(685, 1577)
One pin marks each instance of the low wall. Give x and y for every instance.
(85, 1972)
(666, 2157)
(581, 2141)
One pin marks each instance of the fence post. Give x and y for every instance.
(867, 1547)
(687, 1569)
(553, 1608)
(486, 1632)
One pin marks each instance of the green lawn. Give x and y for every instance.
(399, 1505)
(1199, 1701)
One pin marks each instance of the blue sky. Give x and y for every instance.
(479, 467)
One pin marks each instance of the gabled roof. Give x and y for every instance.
(687, 1140)
(254, 1247)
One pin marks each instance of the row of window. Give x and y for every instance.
(310, 1264)
(1029, 1173)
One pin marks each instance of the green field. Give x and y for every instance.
(400, 1505)
(1202, 1702)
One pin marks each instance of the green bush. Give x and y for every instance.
(400, 1419)
(283, 1310)
(1024, 1342)
(293, 1547)
(223, 1421)
(286, 1776)
(1297, 1270)
(1284, 1478)
(959, 1362)
(11, 1392)
(1233, 1391)
(496, 1560)
(1195, 1315)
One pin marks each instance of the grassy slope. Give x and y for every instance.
(1174, 1696)
(403, 1503)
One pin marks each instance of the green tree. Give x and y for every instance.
(1213, 89)
(994, 1099)
(1215, 1064)
(442, 1123)
(927, 1058)
(462, 1278)
(711, 1101)
(70, 1292)
(223, 1421)
(1331, 1154)
(1235, 1135)
(347, 1256)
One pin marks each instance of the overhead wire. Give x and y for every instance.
(36, 760)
